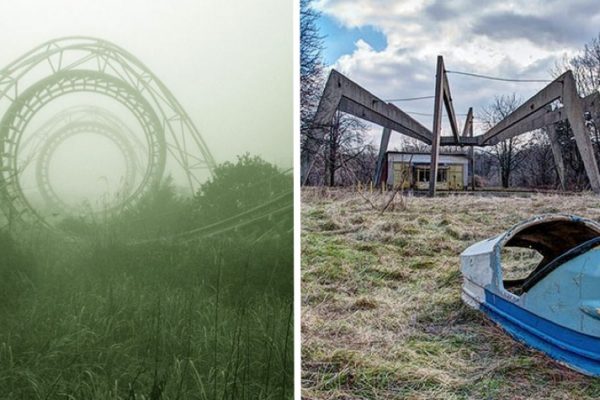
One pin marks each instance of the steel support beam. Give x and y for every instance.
(385, 140)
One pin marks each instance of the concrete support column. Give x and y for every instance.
(385, 140)
(557, 154)
(574, 108)
(321, 124)
(472, 167)
(437, 125)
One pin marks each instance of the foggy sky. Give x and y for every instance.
(229, 63)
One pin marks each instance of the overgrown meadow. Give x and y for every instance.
(135, 307)
(382, 315)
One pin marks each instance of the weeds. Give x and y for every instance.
(105, 317)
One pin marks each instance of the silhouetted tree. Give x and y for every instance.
(237, 187)
(160, 211)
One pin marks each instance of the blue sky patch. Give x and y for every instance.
(340, 40)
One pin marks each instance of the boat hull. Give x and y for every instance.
(577, 350)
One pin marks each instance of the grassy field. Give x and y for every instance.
(125, 308)
(382, 316)
(108, 321)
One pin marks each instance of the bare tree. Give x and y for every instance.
(538, 168)
(508, 153)
(346, 143)
(411, 145)
(363, 165)
(585, 67)
(311, 75)
(343, 146)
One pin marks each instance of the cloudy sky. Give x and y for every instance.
(390, 46)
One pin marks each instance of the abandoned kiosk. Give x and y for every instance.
(411, 170)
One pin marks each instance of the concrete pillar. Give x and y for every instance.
(574, 109)
(557, 154)
(468, 132)
(385, 140)
(322, 121)
(472, 167)
(437, 125)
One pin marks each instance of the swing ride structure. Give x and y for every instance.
(558, 101)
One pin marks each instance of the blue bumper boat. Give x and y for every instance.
(556, 308)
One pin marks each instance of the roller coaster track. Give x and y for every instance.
(277, 205)
(83, 64)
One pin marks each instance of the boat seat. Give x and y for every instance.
(520, 286)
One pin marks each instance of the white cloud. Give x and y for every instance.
(522, 39)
